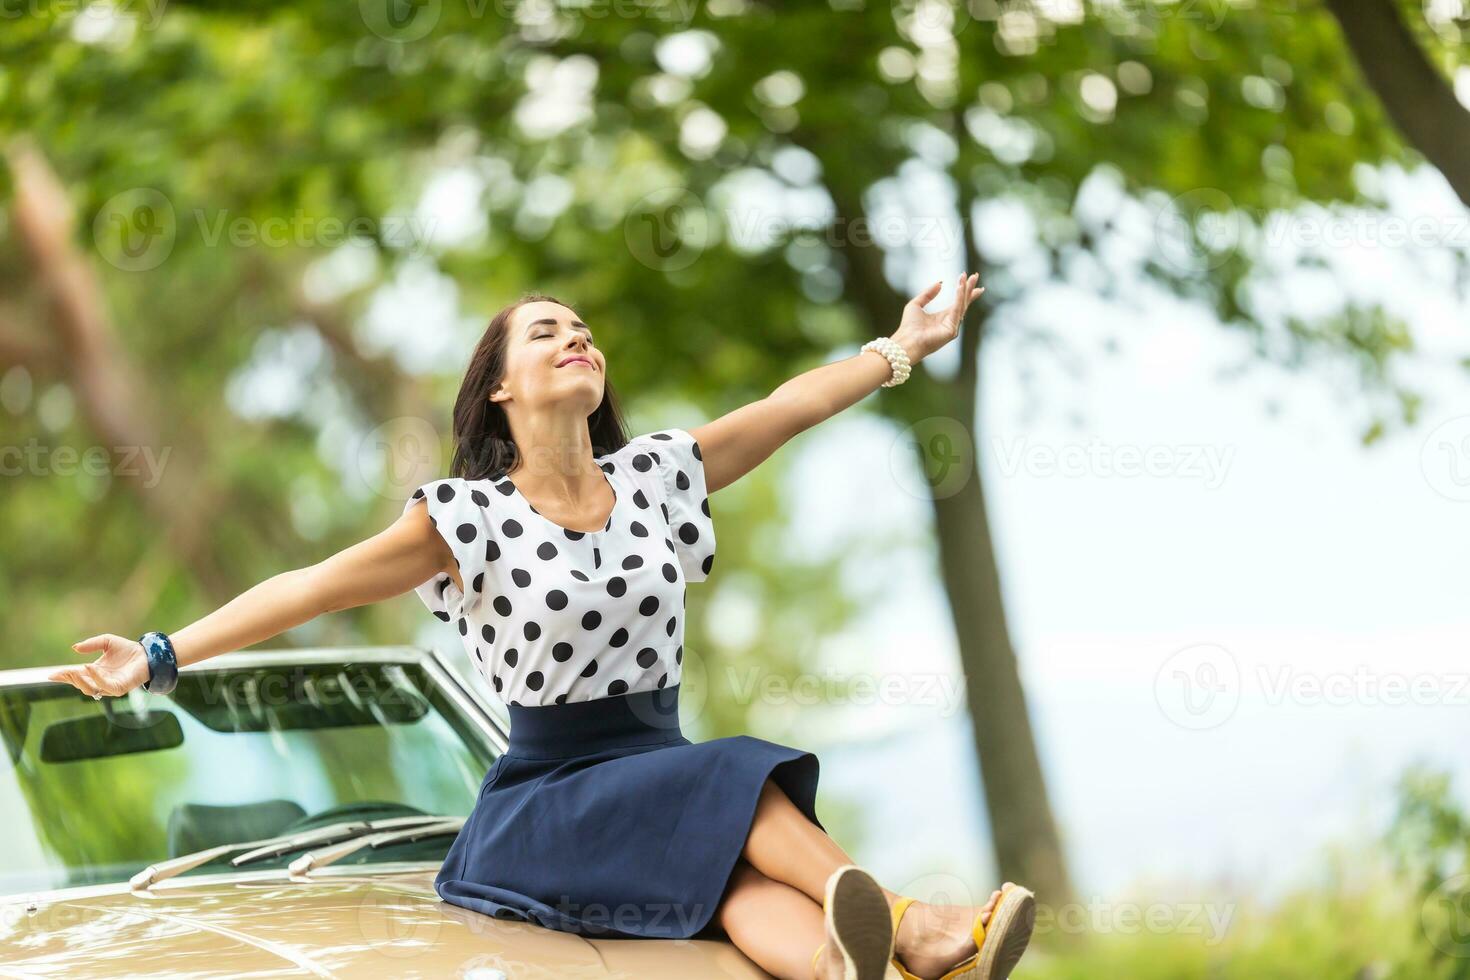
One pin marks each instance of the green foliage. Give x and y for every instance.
(294, 116)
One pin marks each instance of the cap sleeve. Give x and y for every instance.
(461, 514)
(680, 463)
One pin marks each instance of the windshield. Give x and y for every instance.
(95, 791)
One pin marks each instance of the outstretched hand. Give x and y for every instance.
(921, 333)
(122, 667)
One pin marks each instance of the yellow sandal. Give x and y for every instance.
(1011, 923)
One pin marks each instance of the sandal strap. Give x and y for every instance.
(899, 907)
(817, 956)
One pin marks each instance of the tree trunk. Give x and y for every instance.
(1417, 97)
(1027, 848)
(1023, 832)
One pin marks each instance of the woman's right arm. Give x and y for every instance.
(397, 559)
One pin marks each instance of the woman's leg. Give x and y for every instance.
(788, 849)
(771, 922)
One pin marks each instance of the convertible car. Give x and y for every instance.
(279, 814)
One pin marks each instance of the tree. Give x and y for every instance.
(617, 158)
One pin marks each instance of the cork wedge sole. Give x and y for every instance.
(858, 920)
(1003, 941)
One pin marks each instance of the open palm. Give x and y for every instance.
(924, 333)
(122, 667)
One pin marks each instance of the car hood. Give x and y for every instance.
(378, 924)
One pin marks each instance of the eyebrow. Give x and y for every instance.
(548, 321)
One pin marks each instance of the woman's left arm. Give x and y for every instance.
(736, 442)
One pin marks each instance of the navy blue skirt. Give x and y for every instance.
(603, 820)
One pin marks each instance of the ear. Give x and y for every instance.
(500, 394)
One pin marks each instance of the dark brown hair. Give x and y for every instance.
(483, 447)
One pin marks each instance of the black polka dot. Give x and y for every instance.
(488, 632)
(647, 657)
(638, 530)
(511, 655)
(502, 605)
(441, 614)
(671, 624)
(663, 679)
(479, 498)
(591, 619)
(679, 654)
(579, 575)
(618, 638)
(446, 493)
(616, 586)
(688, 533)
(511, 528)
(709, 562)
(464, 626)
(465, 533)
(492, 551)
(546, 551)
(534, 680)
(561, 699)
(632, 562)
(556, 599)
(562, 652)
(590, 669)
(532, 630)
(671, 574)
(520, 577)
(479, 581)
(642, 462)
(640, 500)
(649, 605)
(498, 683)
(617, 687)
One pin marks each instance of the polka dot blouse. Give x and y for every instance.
(552, 615)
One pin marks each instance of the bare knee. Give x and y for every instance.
(747, 889)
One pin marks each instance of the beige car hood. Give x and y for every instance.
(267, 925)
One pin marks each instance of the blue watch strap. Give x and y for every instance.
(163, 666)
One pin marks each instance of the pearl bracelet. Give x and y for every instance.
(898, 359)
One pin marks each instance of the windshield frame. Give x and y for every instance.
(473, 707)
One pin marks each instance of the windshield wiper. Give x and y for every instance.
(335, 852)
(274, 846)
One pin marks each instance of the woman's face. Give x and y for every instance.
(550, 359)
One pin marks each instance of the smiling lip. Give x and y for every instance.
(573, 360)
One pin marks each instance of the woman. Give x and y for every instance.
(561, 552)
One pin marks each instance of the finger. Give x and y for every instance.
(81, 683)
(961, 295)
(99, 683)
(969, 289)
(923, 298)
(94, 644)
